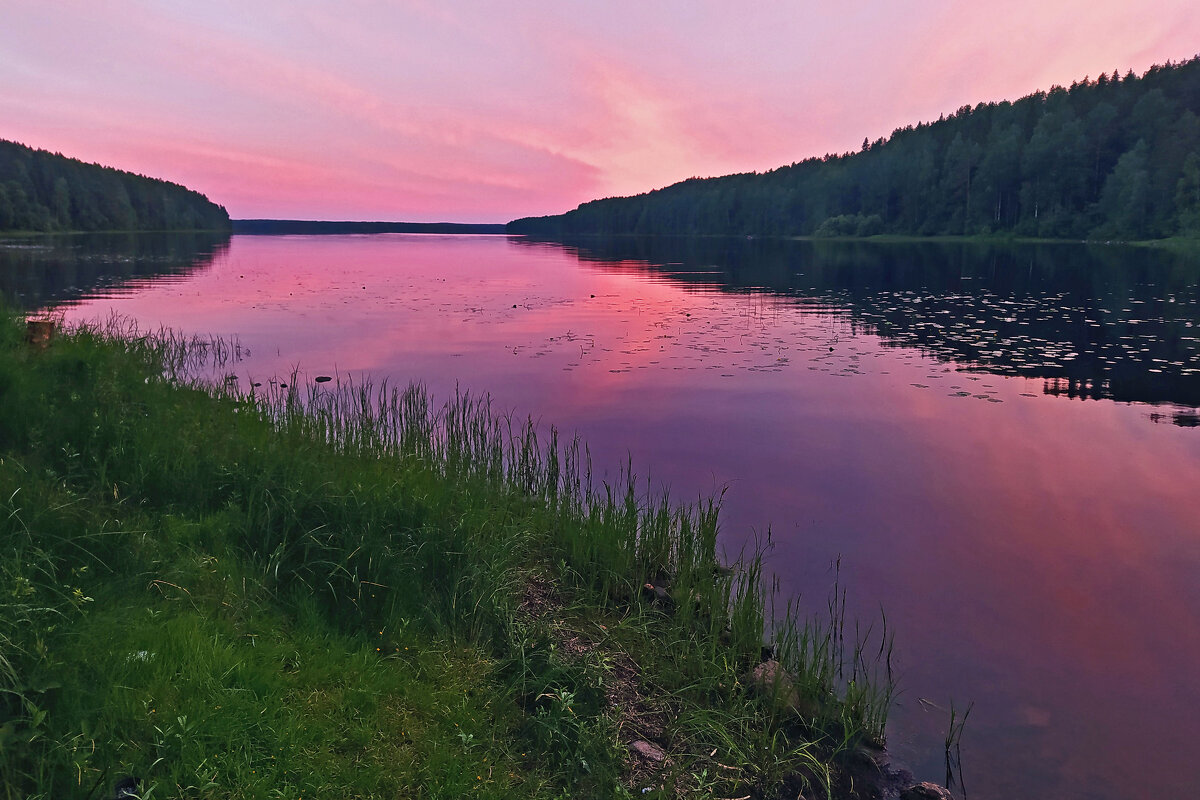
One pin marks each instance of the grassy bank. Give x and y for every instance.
(353, 592)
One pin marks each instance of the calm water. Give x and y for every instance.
(1001, 444)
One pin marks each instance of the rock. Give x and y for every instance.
(770, 681)
(767, 675)
(866, 771)
(926, 791)
(648, 751)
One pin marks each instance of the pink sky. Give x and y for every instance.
(482, 111)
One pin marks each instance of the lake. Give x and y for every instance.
(1001, 444)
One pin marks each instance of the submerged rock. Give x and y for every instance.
(867, 771)
(926, 791)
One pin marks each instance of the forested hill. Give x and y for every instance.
(1115, 157)
(43, 191)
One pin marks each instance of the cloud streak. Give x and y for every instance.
(482, 111)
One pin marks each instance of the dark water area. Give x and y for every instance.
(998, 443)
(1095, 321)
(43, 270)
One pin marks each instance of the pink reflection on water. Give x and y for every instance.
(1037, 555)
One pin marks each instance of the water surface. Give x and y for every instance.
(999, 443)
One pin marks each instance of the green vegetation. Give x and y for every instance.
(347, 592)
(1107, 158)
(42, 191)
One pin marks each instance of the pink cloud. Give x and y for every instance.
(485, 111)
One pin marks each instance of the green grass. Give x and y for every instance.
(326, 592)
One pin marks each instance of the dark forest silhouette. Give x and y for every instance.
(1110, 158)
(43, 191)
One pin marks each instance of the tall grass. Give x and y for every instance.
(388, 518)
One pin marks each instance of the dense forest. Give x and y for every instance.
(1110, 158)
(43, 191)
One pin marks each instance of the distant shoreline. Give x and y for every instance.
(1178, 243)
(284, 227)
(275, 227)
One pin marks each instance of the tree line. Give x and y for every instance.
(43, 191)
(1114, 157)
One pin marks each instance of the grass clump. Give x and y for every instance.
(351, 592)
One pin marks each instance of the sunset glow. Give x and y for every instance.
(485, 111)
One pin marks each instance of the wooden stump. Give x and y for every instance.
(39, 332)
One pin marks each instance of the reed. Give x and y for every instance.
(292, 579)
(953, 747)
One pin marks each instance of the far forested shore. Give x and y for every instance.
(42, 191)
(1115, 157)
(282, 227)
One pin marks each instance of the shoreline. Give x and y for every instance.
(1176, 243)
(31, 234)
(1183, 243)
(265, 519)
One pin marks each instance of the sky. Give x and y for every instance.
(481, 111)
